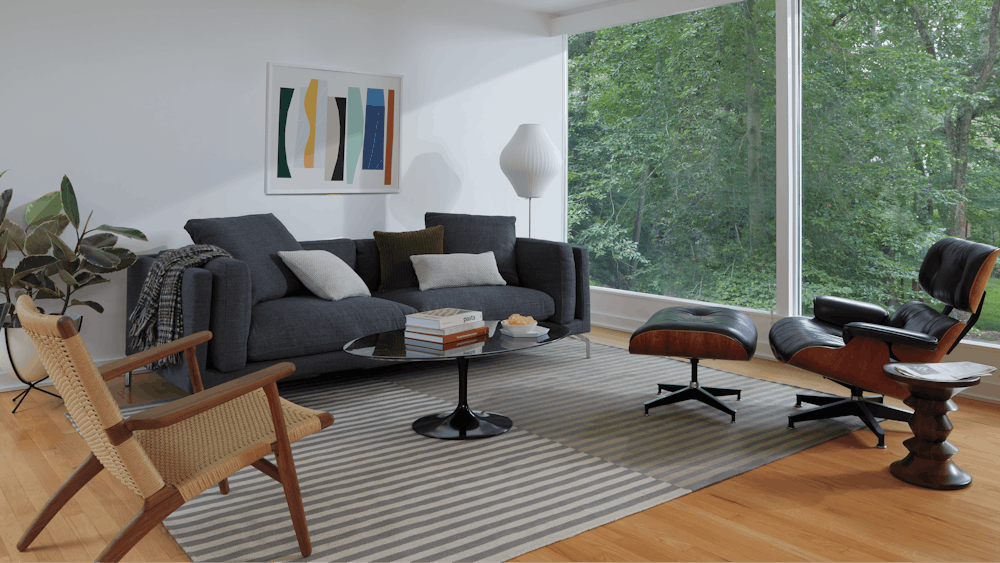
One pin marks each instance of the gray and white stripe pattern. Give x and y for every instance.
(580, 455)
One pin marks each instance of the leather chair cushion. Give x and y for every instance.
(951, 269)
(791, 334)
(697, 332)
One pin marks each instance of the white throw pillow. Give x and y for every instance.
(456, 270)
(324, 274)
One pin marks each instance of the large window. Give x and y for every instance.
(672, 149)
(672, 154)
(901, 118)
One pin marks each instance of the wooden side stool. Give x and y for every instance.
(696, 333)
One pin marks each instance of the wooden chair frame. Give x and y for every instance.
(168, 499)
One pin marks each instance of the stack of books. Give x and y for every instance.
(445, 332)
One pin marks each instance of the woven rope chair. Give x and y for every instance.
(169, 454)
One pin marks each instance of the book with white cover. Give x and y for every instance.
(443, 318)
(947, 371)
(447, 331)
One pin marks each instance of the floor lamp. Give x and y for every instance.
(530, 161)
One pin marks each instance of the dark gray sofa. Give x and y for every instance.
(252, 330)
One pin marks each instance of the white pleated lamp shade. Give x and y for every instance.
(530, 160)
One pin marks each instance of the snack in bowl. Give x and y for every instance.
(519, 324)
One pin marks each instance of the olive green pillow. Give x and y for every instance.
(395, 249)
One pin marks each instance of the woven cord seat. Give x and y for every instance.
(171, 453)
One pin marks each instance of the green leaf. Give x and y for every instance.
(61, 250)
(5, 198)
(126, 256)
(92, 304)
(44, 293)
(37, 243)
(67, 278)
(69, 202)
(85, 279)
(100, 240)
(17, 234)
(124, 231)
(4, 241)
(43, 208)
(31, 263)
(98, 257)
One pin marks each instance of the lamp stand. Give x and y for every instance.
(529, 216)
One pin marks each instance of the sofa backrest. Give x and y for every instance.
(343, 248)
(368, 265)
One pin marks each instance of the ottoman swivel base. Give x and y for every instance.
(696, 333)
(694, 391)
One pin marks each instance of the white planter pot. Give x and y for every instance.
(18, 358)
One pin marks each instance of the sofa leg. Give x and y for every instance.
(585, 339)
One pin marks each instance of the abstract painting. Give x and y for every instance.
(331, 132)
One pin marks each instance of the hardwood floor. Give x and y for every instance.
(835, 501)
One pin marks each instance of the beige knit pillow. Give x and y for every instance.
(324, 274)
(456, 270)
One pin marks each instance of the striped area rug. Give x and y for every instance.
(581, 454)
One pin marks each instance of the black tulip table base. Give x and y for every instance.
(463, 423)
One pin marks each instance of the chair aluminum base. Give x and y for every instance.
(693, 390)
(865, 408)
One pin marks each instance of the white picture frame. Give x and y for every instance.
(331, 132)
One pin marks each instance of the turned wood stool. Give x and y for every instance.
(696, 333)
(929, 462)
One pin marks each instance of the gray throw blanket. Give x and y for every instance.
(158, 317)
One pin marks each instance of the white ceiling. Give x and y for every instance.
(556, 7)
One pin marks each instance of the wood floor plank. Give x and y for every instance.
(833, 502)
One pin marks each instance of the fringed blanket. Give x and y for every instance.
(158, 317)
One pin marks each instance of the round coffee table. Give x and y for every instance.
(463, 423)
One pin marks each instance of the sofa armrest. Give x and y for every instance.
(196, 294)
(581, 256)
(549, 267)
(231, 301)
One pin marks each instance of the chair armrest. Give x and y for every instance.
(113, 369)
(890, 335)
(197, 403)
(549, 267)
(840, 311)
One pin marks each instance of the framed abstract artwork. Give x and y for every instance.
(331, 132)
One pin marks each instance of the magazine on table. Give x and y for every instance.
(954, 371)
(446, 331)
(443, 318)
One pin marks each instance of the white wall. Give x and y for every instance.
(156, 113)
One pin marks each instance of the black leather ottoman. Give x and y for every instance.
(696, 333)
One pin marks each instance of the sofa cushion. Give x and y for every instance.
(495, 301)
(256, 240)
(456, 270)
(324, 274)
(475, 234)
(303, 325)
(395, 249)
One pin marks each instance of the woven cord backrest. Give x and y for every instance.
(87, 398)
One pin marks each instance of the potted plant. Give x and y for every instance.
(51, 269)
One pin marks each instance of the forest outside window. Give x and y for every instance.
(672, 140)
(900, 144)
(672, 154)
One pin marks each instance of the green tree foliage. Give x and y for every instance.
(672, 147)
